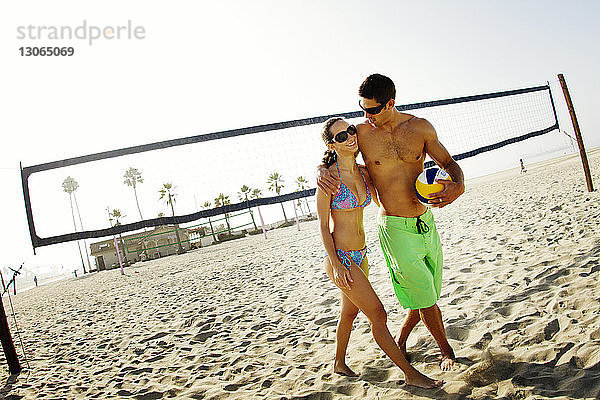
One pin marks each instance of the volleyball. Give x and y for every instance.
(426, 183)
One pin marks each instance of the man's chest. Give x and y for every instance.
(379, 148)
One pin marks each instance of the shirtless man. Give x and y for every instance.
(394, 146)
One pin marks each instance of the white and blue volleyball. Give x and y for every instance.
(426, 183)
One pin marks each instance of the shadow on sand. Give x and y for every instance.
(8, 385)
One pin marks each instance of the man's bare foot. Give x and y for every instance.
(422, 381)
(402, 347)
(342, 369)
(446, 363)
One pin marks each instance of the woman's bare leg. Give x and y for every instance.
(364, 297)
(348, 314)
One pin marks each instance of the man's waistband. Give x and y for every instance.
(418, 224)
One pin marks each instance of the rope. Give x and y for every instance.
(569, 136)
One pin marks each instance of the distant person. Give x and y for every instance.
(346, 261)
(394, 146)
(523, 169)
(35, 280)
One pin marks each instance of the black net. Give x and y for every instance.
(206, 167)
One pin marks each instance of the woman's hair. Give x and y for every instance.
(327, 135)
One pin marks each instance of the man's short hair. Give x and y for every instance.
(377, 87)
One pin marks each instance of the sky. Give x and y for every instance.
(201, 67)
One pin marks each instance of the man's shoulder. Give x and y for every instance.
(411, 119)
(419, 124)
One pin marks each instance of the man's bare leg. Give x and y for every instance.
(344, 328)
(432, 318)
(412, 319)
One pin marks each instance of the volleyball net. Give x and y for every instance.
(224, 172)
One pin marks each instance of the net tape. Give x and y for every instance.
(27, 171)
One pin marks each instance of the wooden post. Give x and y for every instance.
(14, 367)
(582, 153)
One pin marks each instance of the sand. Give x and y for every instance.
(254, 319)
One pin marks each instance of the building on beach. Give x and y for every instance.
(159, 242)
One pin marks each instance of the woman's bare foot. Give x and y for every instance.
(420, 380)
(446, 363)
(342, 369)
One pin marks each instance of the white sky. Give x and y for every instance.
(209, 66)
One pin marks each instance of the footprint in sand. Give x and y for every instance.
(326, 321)
(457, 333)
(375, 374)
(551, 329)
(483, 342)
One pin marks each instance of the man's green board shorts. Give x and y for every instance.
(413, 252)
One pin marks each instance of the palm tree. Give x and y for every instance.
(302, 185)
(206, 206)
(87, 254)
(167, 192)
(223, 200)
(131, 178)
(69, 186)
(256, 193)
(244, 192)
(275, 182)
(243, 195)
(115, 214)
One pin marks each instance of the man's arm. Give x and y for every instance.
(327, 181)
(439, 154)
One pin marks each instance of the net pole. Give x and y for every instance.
(28, 212)
(262, 223)
(582, 153)
(296, 213)
(14, 367)
(118, 255)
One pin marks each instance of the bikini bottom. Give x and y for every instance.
(346, 257)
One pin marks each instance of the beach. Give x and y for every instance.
(256, 319)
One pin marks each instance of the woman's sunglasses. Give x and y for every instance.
(342, 136)
(374, 110)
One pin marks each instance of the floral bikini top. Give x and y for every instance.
(345, 199)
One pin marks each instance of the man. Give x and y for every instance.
(394, 146)
(523, 169)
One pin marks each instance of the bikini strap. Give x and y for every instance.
(365, 182)
(361, 174)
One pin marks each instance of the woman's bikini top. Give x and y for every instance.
(345, 199)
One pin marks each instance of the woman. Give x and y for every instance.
(346, 262)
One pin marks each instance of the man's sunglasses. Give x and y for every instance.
(342, 136)
(374, 110)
